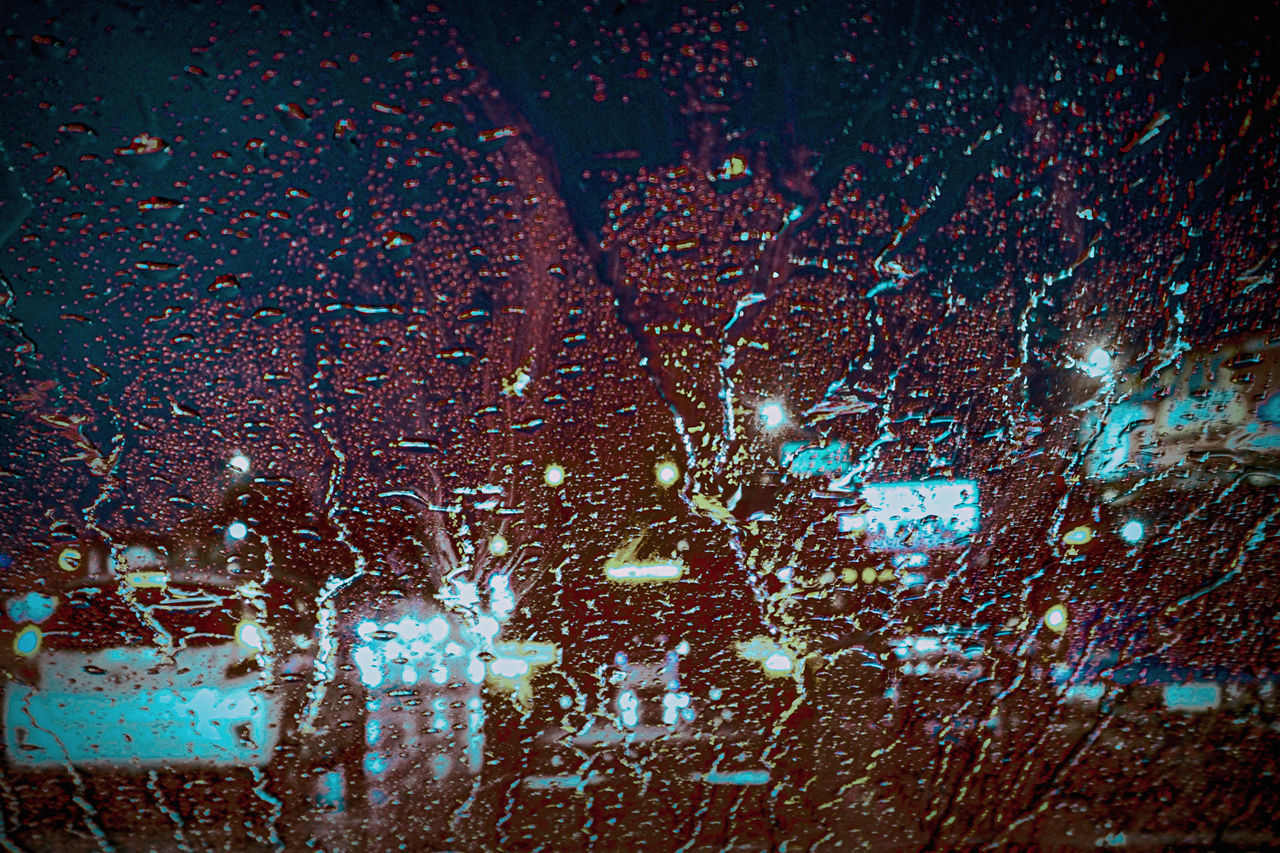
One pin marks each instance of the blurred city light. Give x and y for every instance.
(1098, 363)
(69, 559)
(772, 415)
(918, 515)
(250, 636)
(1133, 531)
(645, 572)
(27, 641)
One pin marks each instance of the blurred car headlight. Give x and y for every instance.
(27, 641)
(32, 607)
(250, 636)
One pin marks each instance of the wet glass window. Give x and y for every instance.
(729, 426)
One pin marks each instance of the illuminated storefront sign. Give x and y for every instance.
(918, 515)
(140, 708)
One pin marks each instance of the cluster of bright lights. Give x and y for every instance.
(920, 514)
(411, 648)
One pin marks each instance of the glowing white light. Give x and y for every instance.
(772, 415)
(370, 671)
(498, 545)
(852, 522)
(914, 560)
(1098, 363)
(1056, 618)
(237, 530)
(487, 627)
(249, 635)
(920, 514)
(238, 463)
(668, 473)
(502, 600)
(437, 628)
(554, 475)
(1132, 531)
(440, 673)
(475, 669)
(657, 572)
(628, 705)
(777, 662)
(509, 667)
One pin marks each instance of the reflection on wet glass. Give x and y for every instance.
(638, 427)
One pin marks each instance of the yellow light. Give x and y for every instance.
(69, 559)
(667, 473)
(1078, 535)
(514, 666)
(1055, 618)
(498, 545)
(27, 641)
(554, 475)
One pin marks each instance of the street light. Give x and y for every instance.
(1098, 364)
(772, 415)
